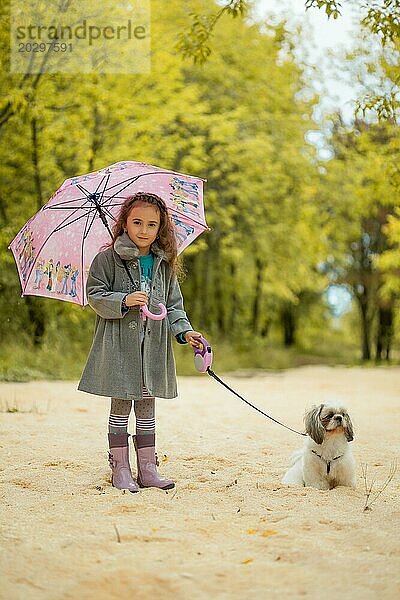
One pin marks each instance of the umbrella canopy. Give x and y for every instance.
(55, 248)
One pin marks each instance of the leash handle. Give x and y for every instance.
(212, 374)
(203, 356)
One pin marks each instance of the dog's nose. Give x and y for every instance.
(338, 418)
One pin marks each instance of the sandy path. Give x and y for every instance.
(230, 529)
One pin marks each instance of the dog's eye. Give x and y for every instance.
(329, 416)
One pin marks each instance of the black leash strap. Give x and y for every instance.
(212, 374)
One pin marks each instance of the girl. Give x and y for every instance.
(131, 360)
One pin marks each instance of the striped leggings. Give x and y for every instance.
(144, 412)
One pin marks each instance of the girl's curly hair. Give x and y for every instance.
(166, 238)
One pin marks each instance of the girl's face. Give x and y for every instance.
(142, 226)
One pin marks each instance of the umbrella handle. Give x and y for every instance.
(154, 317)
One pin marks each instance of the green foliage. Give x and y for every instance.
(194, 44)
(383, 19)
(331, 7)
(240, 121)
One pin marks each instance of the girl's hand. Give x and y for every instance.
(191, 338)
(136, 299)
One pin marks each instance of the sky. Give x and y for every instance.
(325, 35)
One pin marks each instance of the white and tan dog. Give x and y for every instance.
(326, 460)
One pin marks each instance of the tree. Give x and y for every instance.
(362, 202)
(261, 197)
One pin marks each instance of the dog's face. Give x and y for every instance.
(328, 419)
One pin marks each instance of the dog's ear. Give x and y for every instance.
(348, 429)
(313, 425)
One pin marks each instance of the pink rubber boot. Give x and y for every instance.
(118, 457)
(147, 464)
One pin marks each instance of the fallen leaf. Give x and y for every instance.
(268, 532)
(247, 561)
(165, 458)
(252, 531)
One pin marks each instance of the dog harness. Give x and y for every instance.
(328, 462)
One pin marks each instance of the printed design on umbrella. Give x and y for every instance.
(185, 196)
(60, 279)
(25, 251)
(182, 230)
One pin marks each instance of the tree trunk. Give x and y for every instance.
(219, 294)
(384, 334)
(234, 300)
(96, 141)
(365, 327)
(35, 310)
(257, 297)
(35, 163)
(289, 325)
(206, 289)
(195, 266)
(37, 318)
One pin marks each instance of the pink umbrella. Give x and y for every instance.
(55, 248)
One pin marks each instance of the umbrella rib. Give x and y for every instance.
(60, 204)
(108, 213)
(114, 196)
(174, 210)
(142, 175)
(86, 192)
(85, 197)
(85, 234)
(170, 209)
(87, 229)
(105, 186)
(92, 196)
(67, 207)
(108, 178)
(132, 179)
(125, 186)
(62, 226)
(109, 198)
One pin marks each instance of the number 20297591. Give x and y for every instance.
(44, 47)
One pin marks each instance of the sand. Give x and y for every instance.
(230, 529)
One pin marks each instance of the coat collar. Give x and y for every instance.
(127, 250)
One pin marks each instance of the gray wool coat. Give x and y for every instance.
(119, 363)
